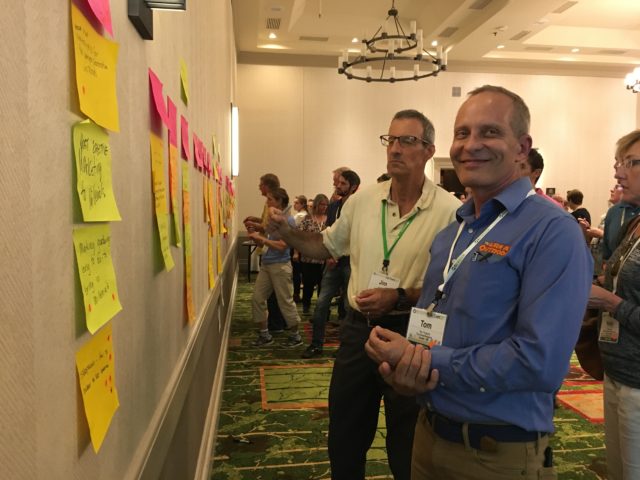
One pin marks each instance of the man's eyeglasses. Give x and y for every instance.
(403, 140)
(626, 164)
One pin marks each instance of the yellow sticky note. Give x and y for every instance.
(173, 193)
(212, 278)
(212, 220)
(93, 169)
(96, 374)
(219, 256)
(96, 60)
(97, 277)
(205, 198)
(184, 82)
(160, 195)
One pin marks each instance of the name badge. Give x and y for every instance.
(609, 329)
(380, 280)
(426, 328)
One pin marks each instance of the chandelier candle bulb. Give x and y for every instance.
(419, 43)
(444, 57)
(439, 51)
(340, 59)
(393, 72)
(412, 26)
(416, 69)
(368, 71)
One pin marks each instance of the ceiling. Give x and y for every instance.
(522, 35)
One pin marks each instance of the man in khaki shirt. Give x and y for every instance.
(386, 275)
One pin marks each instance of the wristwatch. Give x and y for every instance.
(403, 301)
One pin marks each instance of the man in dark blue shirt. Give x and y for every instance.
(508, 284)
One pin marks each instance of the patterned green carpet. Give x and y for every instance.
(273, 418)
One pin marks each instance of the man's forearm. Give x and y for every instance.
(308, 244)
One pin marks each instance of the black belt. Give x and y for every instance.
(392, 322)
(481, 436)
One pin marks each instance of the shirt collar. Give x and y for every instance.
(426, 197)
(510, 198)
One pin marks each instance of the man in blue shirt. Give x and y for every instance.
(509, 282)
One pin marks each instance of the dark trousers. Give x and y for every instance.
(354, 404)
(297, 278)
(311, 277)
(275, 320)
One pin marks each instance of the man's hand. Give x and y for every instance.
(413, 374)
(277, 221)
(331, 263)
(376, 302)
(385, 346)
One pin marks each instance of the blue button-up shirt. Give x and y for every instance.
(514, 309)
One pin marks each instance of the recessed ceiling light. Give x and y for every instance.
(434, 43)
(354, 40)
(499, 47)
(272, 35)
(575, 50)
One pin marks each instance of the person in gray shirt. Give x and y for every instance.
(619, 339)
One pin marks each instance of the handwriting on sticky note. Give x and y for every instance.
(97, 276)
(96, 59)
(96, 375)
(93, 169)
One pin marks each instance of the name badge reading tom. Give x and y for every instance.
(609, 329)
(380, 280)
(426, 328)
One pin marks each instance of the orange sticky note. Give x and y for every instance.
(172, 114)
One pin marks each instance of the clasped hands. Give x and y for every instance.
(404, 366)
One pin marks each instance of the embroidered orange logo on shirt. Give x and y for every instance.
(495, 248)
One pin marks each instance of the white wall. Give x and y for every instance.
(44, 433)
(302, 122)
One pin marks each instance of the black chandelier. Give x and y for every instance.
(632, 80)
(387, 50)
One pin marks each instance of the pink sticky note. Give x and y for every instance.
(184, 128)
(172, 114)
(102, 11)
(158, 98)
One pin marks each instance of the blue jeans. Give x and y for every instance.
(332, 281)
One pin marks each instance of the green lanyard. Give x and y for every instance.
(387, 251)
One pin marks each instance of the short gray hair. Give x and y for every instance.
(428, 132)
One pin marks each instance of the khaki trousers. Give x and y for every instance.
(275, 277)
(437, 459)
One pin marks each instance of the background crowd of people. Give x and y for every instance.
(487, 382)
